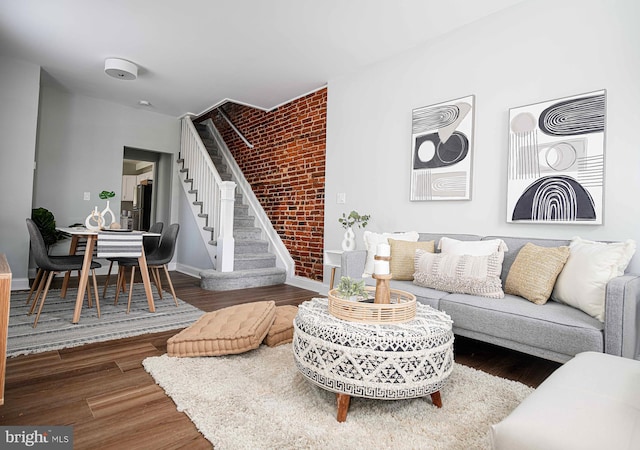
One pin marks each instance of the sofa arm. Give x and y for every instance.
(352, 263)
(622, 317)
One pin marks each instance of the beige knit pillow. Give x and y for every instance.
(534, 272)
(403, 255)
(227, 331)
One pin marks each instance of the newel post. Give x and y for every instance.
(226, 243)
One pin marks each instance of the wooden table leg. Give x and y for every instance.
(343, 406)
(144, 271)
(84, 276)
(333, 277)
(72, 251)
(435, 398)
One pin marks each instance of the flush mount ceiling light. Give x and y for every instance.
(120, 69)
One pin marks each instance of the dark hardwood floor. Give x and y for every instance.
(103, 391)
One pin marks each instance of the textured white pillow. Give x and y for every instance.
(591, 265)
(473, 248)
(463, 274)
(371, 241)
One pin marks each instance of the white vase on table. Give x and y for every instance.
(349, 241)
(94, 221)
(106, 223)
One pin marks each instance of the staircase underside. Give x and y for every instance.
(213, 280)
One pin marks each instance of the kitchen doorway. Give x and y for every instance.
(146, 180)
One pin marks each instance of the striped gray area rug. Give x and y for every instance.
(55, 330)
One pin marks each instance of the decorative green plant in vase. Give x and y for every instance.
(354, 218)
(112, 223)
(348, 222)
(349, 289)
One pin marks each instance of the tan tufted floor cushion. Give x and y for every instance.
(232, 330)
(281, 332)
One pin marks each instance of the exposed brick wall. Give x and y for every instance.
(286, 169)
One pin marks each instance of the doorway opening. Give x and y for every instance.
(146, 188)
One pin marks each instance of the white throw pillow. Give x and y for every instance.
(371, 241)
(463, 274)
(473, 248)
(591, 265)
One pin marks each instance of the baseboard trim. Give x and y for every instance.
(310, 285)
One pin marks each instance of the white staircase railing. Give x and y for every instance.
(283, 257)
(215, 197)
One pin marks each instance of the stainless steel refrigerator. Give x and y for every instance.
(142, 207)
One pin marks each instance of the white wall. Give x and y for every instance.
(80, 149)
(19, 92)
(535, 51)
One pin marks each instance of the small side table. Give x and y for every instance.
(333, 259)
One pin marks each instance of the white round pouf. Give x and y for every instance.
(380, 361)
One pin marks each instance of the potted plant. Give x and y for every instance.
(348, 222)
(349, 289)
(47, 224)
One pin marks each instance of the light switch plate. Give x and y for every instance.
(87, 196)
(341, 198)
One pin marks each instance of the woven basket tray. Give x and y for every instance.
(401, 309)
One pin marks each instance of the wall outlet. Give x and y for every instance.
(87, 196)
(341, 198)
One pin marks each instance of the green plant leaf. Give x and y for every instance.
(106, 194)
(47, 224)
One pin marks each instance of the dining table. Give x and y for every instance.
(78, 233)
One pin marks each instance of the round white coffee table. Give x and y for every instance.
(380, 361)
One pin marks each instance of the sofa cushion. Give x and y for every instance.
(281, 331)
(231, 330)
(478, 275)
(591, 265)
(534, 272)
(516, 243)
(403, 255)
(591, 402)
(553, 326)
(478, 248)
(371, 241)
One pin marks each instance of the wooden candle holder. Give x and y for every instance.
(383, 291)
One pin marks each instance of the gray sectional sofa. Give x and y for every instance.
(553, 331)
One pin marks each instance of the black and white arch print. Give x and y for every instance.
(556, 161)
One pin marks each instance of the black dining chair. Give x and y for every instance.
(150, 244)
(155, 260)
(52, 265)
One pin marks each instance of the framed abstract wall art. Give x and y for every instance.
(441, 150)
(556, 161)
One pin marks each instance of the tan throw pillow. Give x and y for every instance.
(462, 274)
(534, 272)
(281, 331)
(403, 255)
(227, 331)
(371, 241)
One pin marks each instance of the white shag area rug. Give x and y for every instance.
(259, 400)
